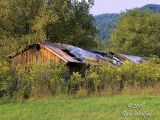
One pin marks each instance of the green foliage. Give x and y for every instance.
(99, 78)
(22, 23)
(139, 38)
(60, 75)
(104, 45)
(104, 77)
(141, 74)
(5, 78)
(46, 79)
(155, 59)
(39, 75)
(76, 83)
(42, 79)
(92, 80)
(74, 25)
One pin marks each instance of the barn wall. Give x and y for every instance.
(32, 54)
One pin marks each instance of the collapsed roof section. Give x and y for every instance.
(118, 59)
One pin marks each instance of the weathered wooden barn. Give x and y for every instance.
(75, 58)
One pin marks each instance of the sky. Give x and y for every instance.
(116, 6)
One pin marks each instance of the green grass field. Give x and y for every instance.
(89, 108)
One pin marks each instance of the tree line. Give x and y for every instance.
(138, 33)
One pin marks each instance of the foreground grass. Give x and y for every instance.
(89, 108)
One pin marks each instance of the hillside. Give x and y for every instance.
(106, 22)
(152, 7)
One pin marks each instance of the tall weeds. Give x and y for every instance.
(49, 79)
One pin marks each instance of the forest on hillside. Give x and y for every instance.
(106, 22)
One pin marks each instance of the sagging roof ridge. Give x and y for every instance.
(81, 55)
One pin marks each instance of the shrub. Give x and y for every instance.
(114, 78)
(103, 77)
(59, 77)
(75, 83)
(141, 75)
(22, 84)
(81, 93)
(42, 79)
(5, 78)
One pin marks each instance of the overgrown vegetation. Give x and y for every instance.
(5, 78)
(47, 79)
(41, 80)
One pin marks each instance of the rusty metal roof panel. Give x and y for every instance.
(134, 59)
(80, 55)
(84, 55)
(54, 49)
(70, 53)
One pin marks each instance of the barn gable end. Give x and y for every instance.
(34, 53)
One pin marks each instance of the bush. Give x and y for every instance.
(59, 78)
(45, 79)
(42, 79)
(114, 78)
(103, 77)
(5, 78)
(141, 75)
(75, 83)
(81, 93)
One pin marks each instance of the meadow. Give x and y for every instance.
(117, 107)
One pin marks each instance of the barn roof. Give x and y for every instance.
(75, 54)
(52, 47)
(134, 59)
(68, 53)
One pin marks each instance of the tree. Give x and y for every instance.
(138, 33)
(74, 25)
(22, 23)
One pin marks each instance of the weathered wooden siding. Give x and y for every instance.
(44, 55)
(33, 54)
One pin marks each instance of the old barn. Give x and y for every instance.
(75, 58)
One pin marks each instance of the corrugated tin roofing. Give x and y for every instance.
(71, 53)
(55, 50)
(134, 59)
(84, 55)
(75, 54)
